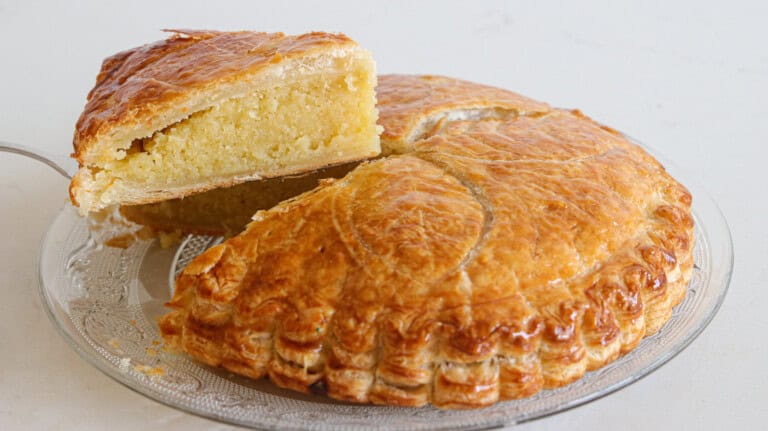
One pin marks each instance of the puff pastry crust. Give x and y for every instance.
(503, 247)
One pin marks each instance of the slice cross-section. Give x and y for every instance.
(202, 110)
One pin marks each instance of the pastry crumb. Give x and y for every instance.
(148, 370)
(116, 345)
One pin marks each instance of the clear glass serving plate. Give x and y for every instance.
(106, 301)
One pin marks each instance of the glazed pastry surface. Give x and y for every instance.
(501, 247)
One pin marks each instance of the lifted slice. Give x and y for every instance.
(212, 109)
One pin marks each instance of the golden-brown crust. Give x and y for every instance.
(412, 106)
(133, 86)
(498, 257)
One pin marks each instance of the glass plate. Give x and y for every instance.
(106, 301)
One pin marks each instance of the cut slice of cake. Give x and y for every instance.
(206, 109)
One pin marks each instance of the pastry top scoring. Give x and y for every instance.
(502, 247)
(413, 106)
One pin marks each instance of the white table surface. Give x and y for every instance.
(689, 78)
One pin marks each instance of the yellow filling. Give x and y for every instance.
(321, 119)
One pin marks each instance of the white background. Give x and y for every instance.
(689, 78)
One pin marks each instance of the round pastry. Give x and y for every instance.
(500, 247)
